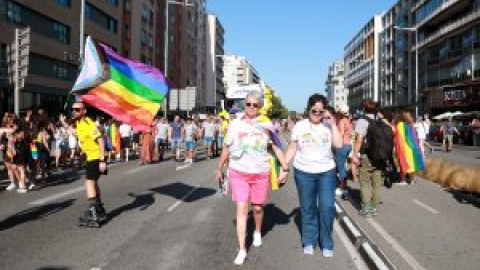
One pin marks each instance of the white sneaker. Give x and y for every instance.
(241, 256)
(308, 250)
(31, 186)
(257, 239)
(11, 187)
(22, 190)
(338, 192)
(327, 253)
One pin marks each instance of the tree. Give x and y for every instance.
(279, 111)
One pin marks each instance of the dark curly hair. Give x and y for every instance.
(316, 98)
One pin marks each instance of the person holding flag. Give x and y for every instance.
(93, 145)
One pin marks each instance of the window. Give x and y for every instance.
(53, 68)
(112, 25)
(101, 18)
(65, 3)
(61, 32)
(13, 12)
(3, 58)
(113, 2)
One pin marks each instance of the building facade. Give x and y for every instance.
(237, 70)
(362, 64)
(449, 54)
(54, 45)
(139, 30)
(336, 92)
(215, 62)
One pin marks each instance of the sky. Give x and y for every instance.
(291, 43)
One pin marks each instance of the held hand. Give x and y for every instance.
(282, 177)
(355, 160)
(218, 176)
(103, 166)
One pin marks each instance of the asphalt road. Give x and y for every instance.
(424, 226)
(164, 218)
(161, 218)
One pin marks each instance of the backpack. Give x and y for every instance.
(378, 143)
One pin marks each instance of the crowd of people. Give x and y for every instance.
(327, 147)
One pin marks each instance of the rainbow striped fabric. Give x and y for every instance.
(114, 138)
(407, 148)
(34, 150)
(129, 91)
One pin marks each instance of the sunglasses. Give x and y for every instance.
(255, 105)
(77, 109)
(313, 111)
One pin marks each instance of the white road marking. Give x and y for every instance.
(425, 206)
(135, 169)
(57, 196)
(376, 260)
(352, 251)
(181, 167)
(176, 204)
(401, 250)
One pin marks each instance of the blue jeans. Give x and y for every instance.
(341, 156)
(219, 142)
(316, 193)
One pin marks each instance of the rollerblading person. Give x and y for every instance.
(93, 145)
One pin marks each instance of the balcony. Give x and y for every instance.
(448, 28)
(445, 5)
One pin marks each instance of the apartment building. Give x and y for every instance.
(336, 92)
(237, 70)
(362, 64)
(215, 62)
(139, 30)
(54, 45)
(449, 54)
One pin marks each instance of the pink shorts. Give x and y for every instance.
(248, 187)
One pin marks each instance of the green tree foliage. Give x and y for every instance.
(279, 111)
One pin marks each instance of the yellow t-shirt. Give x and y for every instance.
(87, 133)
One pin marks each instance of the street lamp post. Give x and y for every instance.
(165, 64)
(415, 30)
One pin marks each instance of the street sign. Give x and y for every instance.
(18, 55)
(183, 99)
(241, 90)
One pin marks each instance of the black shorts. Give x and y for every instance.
(92, 170)
(136, 137)
(125, 142)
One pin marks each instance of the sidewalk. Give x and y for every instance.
(461, 154)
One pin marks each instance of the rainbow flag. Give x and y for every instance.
(114, 138)
(129, 91)
(34, 150)
(407, 148)
(264, 123)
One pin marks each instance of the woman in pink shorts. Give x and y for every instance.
(246, 145)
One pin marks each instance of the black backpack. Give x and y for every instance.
(378, 144)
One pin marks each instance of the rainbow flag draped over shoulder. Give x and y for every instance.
(407, 148)
(114, 138)
(264, 123)
(129, 91)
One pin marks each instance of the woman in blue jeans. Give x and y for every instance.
(310, 147)
(345, 128)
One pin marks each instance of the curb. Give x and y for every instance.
(371, 253)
